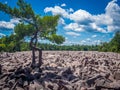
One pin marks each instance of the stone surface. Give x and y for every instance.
(61, 70)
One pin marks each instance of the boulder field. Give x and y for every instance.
(61, 70)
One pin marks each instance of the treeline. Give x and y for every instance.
(113, 45)
(12, 44)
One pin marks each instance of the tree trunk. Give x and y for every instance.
(40, 57)
(33, 57)
(34, 48)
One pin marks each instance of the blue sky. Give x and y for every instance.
(81, 22)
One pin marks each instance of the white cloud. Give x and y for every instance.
(91, 42)
(113, 10)
(67, 42)
(80, 16)
(102, 19)
(88, 39)
(71, 10)
(57, 10)
(81, 20)
(94, 36)
(96, 42)
(95, 27)
(1, 35)
(74, 27)
(83, 42)
(61, 21)
(9, 25)
(6, 2)
(63, 5)
(73, 34)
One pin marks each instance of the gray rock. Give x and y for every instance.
(117, 75)
(0, 69)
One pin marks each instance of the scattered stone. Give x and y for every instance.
(61, 70)
(117, 75)
(0, 69)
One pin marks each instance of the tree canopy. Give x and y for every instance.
(31, 23)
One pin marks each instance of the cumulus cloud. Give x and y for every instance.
(82, 20)
(94, 36)
(71, 10)
(113, 10)
(63, 5)
(57, 10)
(80, 16)
(73, 34)
(74, 27)
(10, 24)
(1, 35)
(61, 21)
(88, 39)
(83, 42)
(95, 27)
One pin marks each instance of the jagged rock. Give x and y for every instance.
(115, 85)
(5, 89)
(83, 88)
(117, 75)
(91, 81)
(0, 69)
(11, 70)
(61, 70)
(66, 72)
(37, 75)
(35, 86)
(11, 83)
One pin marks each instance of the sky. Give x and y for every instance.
(84, 22)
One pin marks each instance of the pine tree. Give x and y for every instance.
(34, 26)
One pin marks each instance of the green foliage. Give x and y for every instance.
(23, 30)
(115, 42)
(2, 47)
(113, 45)
(7, 45)
(46, 29)
(24, 46)
(31, 23)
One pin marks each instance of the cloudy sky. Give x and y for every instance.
(81, 22)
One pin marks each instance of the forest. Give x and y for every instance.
(12, 44)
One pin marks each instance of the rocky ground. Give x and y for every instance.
(61, 70)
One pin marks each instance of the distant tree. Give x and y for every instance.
(114, 44)
(33, 25)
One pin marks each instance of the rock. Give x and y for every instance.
(19, 88)
(83, 88)
(5, 88)
(100, 82)
(11, 70)
(92, 80)
(0, 69)
(50, 75)
(61, 70)
(115, 85)
(37, 75)
(11, 83)
(66, 72)
(117, 75)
